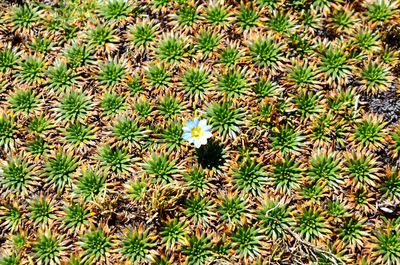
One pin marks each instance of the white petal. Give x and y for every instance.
(207, 135)
(203, 123)
(197, 143)
(190, 124)
(203, 140)
(207, 128)
(186, 136)
(186, 129)
(196, 122)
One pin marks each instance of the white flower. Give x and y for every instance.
(197, 132)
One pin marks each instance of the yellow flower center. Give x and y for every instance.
(197, 132)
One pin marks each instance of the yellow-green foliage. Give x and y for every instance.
(301, 167)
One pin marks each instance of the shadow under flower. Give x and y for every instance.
(211, 155)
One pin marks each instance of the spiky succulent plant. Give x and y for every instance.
(77, 56)
(248, 242)
(280, 22)
(115, 10)
(353, 232)
(136, 246)
(42, 210)
(79, 135)
(196, 83)
(207, 42)
(129, 131)
(10, 259)
(61, 77)
(247, 17)
(198, 249)
(390, 186)
(267, 53)
(362, 168)
(197, 179)
(366, 40)
(303, 75)
(37, 147)
(285, 175)
(226, 118)
(144, 108)
(311, 224)
(11, 216)
(111, 73)
(39, 124)
(380, 10)
(142, 34)
(41, 44)
(276, 218)
(369, 133)
(8, 59)
(171, 49)
(287, 140)
(76, 216)
(49, 248)
(102, 37)
(96, 245)
(91, 184)
(161, 168)
(158, 76)
(217, 15)
(169, 107)
(232, 209)
(18, 176)
(337, 209)
(74, 106)
(249, 177)
(171, 136)
(60, 168)
(116, 159)
(313, 191)
(300, 164)
(23, 17)
(186, 16)
(230, 56)
(386, 244)
(343, 19)
(173, 234)
(308, 104)
(112, 104)
(394, 142)
(335, 65)
(266, 88)
(233, 84)
(375, 78)
(24, 101)
(32, 70)
(199, 210)
(326, 167)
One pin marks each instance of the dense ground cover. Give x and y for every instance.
(302, 99)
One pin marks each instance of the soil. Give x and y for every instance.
(392, 37)
(386, 104)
